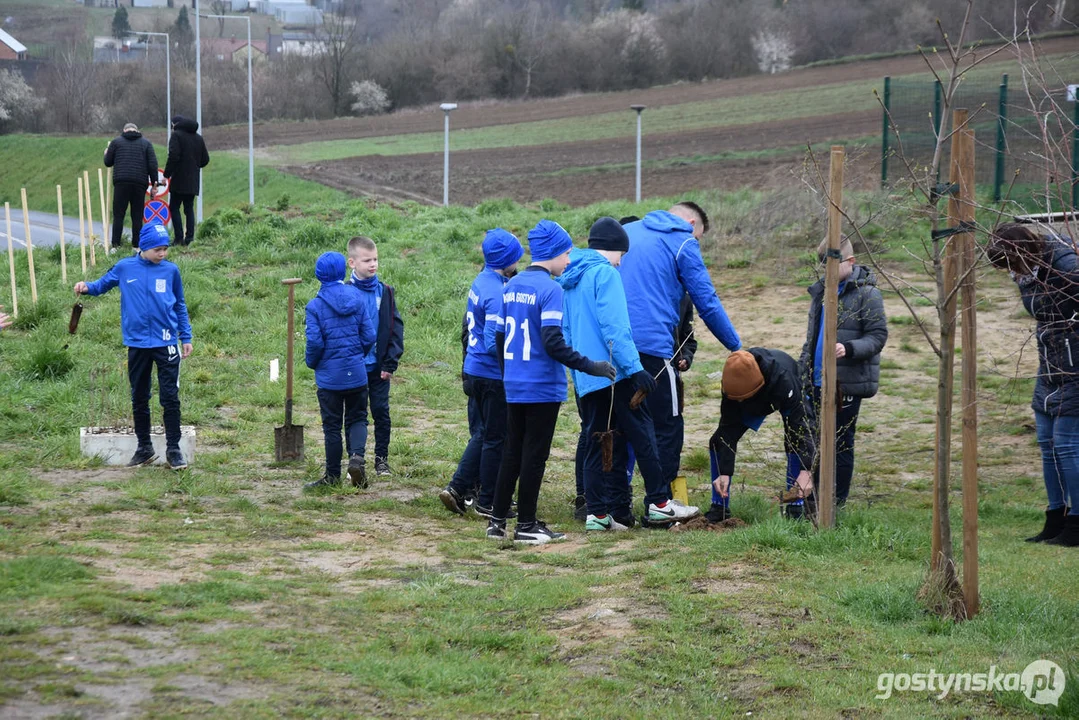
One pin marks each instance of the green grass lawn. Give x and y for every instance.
(224, 589)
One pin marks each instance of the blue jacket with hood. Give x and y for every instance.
(484, 304)
(339, 331)
(595, 320)
(153, 312)
(665, 263)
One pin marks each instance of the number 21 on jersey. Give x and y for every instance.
(511, 331)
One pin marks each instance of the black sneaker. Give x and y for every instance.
(176, 460)
(142, 456)
(356, 472)
(326, 481)
(488, 511)
(496, 529)
(535, 533)
(718, 513)
(382, 468)
(580, 509)
(453, 501)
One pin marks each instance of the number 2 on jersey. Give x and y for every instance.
(511, 330)
(471, 326)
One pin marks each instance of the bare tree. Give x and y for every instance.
(530, 32)
(220, 7)
(341, 36)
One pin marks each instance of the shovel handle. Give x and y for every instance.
(291, 283)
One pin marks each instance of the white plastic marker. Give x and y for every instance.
(63, 240)
(89, 216)
(82, 220)
(29, 248)
(275, 370)
(11, 260)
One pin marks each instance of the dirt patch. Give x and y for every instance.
(103, 652)
(702, 523)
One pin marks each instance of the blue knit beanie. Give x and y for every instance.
(153, 235)
(548, 240)
(501, 249)
(330, 267)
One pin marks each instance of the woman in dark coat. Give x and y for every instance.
(1046, 269)
(187, 156)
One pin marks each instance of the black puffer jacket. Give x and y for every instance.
(132, 159)
(1051, 295)
(187, 155)
(862, 327)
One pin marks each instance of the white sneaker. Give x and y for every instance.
(672, 511)
(606, 524)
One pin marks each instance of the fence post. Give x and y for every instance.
(884, 132)
(1002, 117)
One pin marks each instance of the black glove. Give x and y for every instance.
(601, 369)
(466, 384)
(643, 381)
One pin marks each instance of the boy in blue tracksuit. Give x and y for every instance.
(385, 355)
(339, 334)
(533, 352)
(596, 324)
(477, 471)
(153, 318)
(666, 264)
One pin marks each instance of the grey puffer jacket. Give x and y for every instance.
(1051, 296)
(862, 327)
(132, 158)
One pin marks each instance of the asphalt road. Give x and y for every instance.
(44, 230)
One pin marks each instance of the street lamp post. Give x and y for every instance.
(639, 109)
(168, 85)
(250, 111)
(447, 108)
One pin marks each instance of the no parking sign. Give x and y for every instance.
(156, 211)
(162, 186)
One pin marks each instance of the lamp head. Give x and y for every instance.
(446, 107)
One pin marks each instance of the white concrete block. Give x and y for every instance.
(115, 446)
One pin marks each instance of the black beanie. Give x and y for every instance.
(177, 119)
(608, 234)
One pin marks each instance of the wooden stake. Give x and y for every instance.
(11, 261)
(104, 215)
(969, 397)
(63, 240)
(942, 533)
(82, 236)
(829, 386)
(89, 217)
(29, 248)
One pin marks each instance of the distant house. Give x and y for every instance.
(297, 44)
(10, 48)
(234, 49)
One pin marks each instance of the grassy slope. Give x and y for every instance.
(379, 603)
(40, 162)
(805, 102)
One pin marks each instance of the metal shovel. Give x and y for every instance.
(288, 440)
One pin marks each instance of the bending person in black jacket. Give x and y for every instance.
(187, 156)
(134, 168)
(1046, 270)
(756, 383)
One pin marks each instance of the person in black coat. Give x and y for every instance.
(861, 333)
(187, 156)
(134, 168)
(756, 383)
(1046, 269)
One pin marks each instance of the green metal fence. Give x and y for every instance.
(1008, 137)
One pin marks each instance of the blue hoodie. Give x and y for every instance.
(339, 331)
(595, 320)
(665, 263)
(484, 305)
(152, 308)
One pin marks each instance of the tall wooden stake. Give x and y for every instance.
(82, 221)
(11, 261)
(104, 216)
(89, 217)
(29, 248)
(63, 240)
(942, 527)
(969, 397)
(826, 501)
